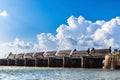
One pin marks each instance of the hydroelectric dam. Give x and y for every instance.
(94, 58)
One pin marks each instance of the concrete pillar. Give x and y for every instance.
(35, 62)
(63, 62)
(8, 62)
(48, 61)
(25, 62)
(66, 62)
(113, 63)
(15, 62)
(107, 63)
(84, 62)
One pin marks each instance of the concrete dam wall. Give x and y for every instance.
(62, 58)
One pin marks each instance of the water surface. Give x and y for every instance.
(22, 73)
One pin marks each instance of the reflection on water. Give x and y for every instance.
(58, 74)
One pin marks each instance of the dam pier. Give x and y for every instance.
(64, 58)
(112, 61)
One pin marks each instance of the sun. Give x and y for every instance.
(4, 13)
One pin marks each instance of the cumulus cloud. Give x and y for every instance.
(46, 41)
(79, 33)
(17, 46)
(4, 13)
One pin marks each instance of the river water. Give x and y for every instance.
(22, 73)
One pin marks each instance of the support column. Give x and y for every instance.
(113, 63)
(63, 62)
(8, 62)
(107, 63)
(25, 61)
(84, 62)
(15, 62)
(35, 62)
(48, 61)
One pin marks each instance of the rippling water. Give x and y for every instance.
(58, 74)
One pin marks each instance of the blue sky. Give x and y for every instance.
(35, 25)
(28, 18)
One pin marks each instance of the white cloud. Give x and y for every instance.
(17, 46)
(79, 33)
(46, 41)
(4, 13)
